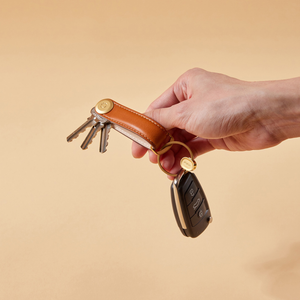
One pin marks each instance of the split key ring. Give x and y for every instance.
(186, 163)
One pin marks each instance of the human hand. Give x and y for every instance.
(210, 111)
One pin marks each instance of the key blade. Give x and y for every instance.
(104, 137)
(93, 132)
(90, 122)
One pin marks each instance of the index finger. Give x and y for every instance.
(166, 99)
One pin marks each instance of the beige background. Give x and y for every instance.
(80, 225)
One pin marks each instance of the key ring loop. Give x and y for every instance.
(168, 146)
(164, 149)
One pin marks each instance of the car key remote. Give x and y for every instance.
(190, 205)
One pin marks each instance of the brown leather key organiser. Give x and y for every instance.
(190, 205)
(109, 114)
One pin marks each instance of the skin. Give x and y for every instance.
(209, 111)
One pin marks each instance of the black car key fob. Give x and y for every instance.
(190, 205)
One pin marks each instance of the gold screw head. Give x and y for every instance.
(188, 164)
(104, 106)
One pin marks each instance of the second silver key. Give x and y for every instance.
(88, 140)
(88, 123)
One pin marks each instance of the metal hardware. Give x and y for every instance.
(187, 164)
(104, 106)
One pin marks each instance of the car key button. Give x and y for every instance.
(200, 213)
(190, 193)
(195, 204)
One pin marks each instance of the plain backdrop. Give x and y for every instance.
(80, 225)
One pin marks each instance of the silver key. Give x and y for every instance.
(104, 137)
(91, 121)
(93, 132)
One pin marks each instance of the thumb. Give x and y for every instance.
(167, 117)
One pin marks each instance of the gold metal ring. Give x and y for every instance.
(168, 146)
(164, 149)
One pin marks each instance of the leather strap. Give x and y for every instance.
(137, 126)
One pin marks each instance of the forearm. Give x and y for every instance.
(279, 108)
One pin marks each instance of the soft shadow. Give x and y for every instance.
(282, 275)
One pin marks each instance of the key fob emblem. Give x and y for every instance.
(190, 205)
